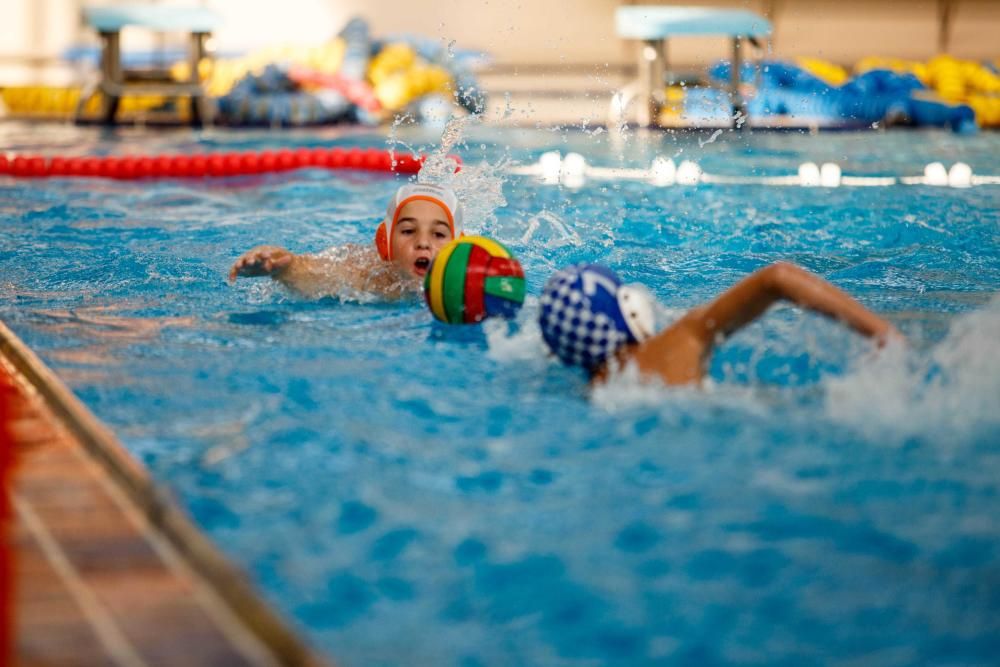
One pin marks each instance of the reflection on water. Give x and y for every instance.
(92, 322)
(225, 439)
(98, 336)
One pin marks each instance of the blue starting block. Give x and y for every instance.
(116, 81)
(654, 25)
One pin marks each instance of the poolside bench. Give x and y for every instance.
(654, 25)
(116, 81)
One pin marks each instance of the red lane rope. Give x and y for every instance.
(202, 165)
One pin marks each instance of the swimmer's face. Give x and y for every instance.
(421, 230)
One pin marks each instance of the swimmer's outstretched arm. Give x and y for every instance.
(309, 275)
(680, 353)
(315, 276)
(264, 260)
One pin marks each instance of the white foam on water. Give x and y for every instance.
(627, 390)
(521, 344)
(949, 394)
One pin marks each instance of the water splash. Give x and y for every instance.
(393, 140)
(523, 344)
(548, 230)
(951, 395)
(628, 389)
(507, 111)
(478, 186)
(704, 142)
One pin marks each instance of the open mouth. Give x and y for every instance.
(421, 264)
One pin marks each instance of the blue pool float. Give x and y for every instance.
(877, 96)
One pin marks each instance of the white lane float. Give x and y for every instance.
(572, 171)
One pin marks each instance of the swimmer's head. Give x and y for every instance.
(420, 219)
(587, 314)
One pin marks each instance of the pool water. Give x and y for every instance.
(413, 493)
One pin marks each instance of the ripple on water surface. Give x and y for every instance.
(412, 493)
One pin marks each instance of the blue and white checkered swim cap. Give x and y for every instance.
(587, 314)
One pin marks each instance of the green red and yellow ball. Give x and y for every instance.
(473, 278)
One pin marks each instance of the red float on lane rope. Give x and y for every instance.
(130, 167)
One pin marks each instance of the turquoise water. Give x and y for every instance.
(412, 493)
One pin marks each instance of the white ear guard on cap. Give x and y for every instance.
(443, 197)
(637, 310)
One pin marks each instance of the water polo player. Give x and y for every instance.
(420, 219)
(589, 319)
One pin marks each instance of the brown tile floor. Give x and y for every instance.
(92, 584)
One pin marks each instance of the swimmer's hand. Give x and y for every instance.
(265, 260)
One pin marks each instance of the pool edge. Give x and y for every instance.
(191, 546)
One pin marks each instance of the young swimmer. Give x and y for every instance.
(588, 318)
(419, 220)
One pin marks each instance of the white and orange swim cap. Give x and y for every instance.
(443, 197)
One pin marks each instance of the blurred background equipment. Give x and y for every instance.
(318, 62)
(116, 80)
(656, 26)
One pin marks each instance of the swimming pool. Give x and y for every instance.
(411, 493)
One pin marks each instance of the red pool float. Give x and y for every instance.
(130, 167)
